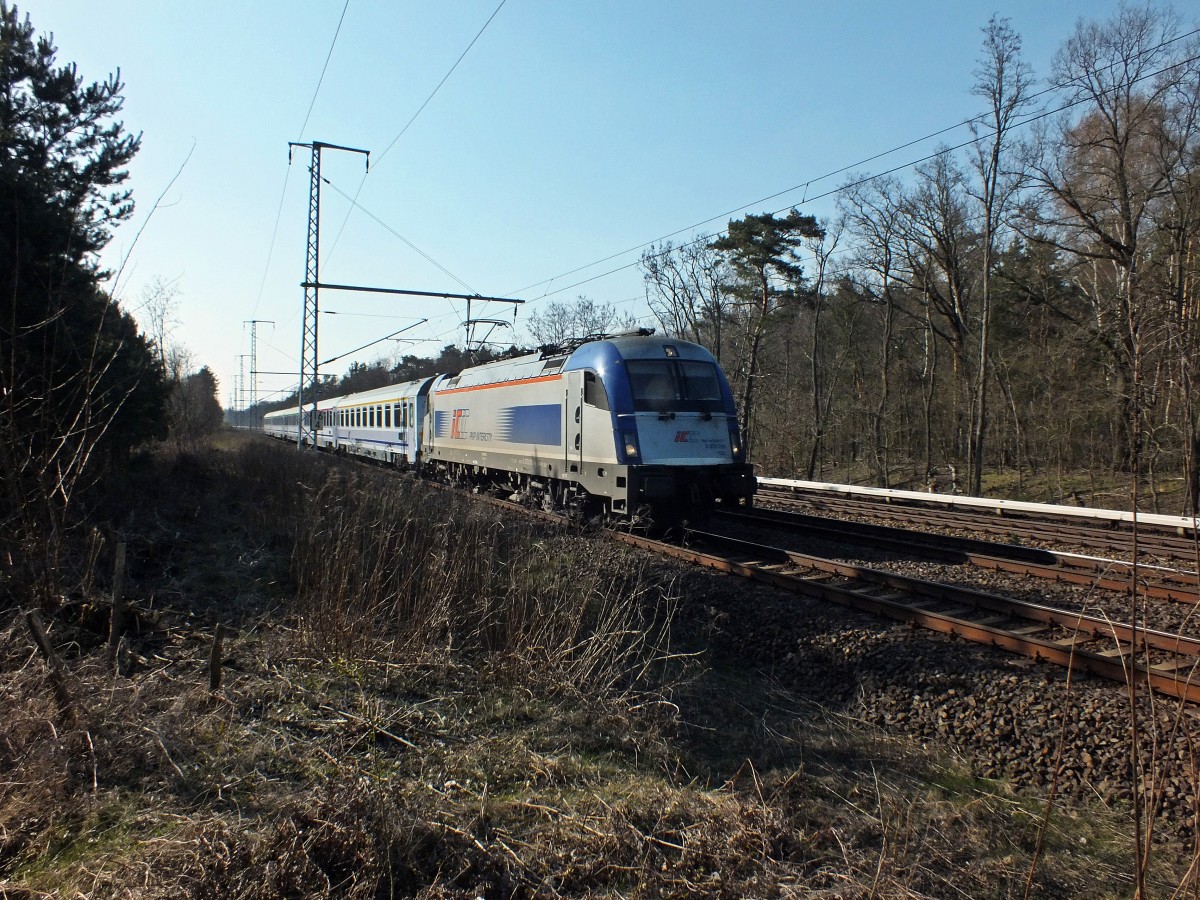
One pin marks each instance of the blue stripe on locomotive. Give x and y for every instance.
(441, 423)
(541, 424)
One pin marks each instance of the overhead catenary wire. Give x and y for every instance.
(833, 191)
(445, 78)
(324, 69)
(408, 124)
(287, 171)
(803, 185)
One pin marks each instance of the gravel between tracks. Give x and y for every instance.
(1007, 716)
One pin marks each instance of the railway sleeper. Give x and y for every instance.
(1074, 640)
(1026, 630)
(997, 619)
(1171, 666)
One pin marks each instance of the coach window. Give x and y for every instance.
(412, 415)
(593, 391)
(387, 417)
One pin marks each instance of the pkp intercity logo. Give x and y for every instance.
(456, 423)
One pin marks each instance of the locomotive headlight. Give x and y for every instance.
(735, 446)
(630, 442)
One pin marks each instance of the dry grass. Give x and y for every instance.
(422, 698)
(381, 578)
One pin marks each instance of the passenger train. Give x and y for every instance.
(631, 426)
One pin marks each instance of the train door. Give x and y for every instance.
(573, 409)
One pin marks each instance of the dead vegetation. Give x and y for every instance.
(422, 697)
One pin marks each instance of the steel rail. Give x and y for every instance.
(1053, 530)
(1108, 574)
(911, 600)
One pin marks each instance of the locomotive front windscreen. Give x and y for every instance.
(677, 385)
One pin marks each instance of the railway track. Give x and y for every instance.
(1158, 582)
(1166, 544)
(1169, 663)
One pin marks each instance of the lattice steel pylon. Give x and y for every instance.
(254, 323)
(306, 430)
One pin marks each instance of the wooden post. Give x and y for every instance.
(117, 623)
(214, 660)
(57, 674)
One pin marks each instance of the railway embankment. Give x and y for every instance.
(415, 694)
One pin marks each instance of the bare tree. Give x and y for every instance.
(1004, 81)
(687, 287)
(872, 217)
(822, 367)
(560, 322)
(1102, 186)
(159, 312)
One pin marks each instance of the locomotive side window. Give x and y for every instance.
(594, 393)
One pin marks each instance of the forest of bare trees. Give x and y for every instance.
(1026, 301)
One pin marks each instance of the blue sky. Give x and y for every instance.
(572, 130)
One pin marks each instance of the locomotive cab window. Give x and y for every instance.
(700, 384)
(661, 385)
(594, 393)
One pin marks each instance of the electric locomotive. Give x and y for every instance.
(633, 426)
(630, 425)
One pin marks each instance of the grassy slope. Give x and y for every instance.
(459, 727)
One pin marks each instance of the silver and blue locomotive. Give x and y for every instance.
(630, 425)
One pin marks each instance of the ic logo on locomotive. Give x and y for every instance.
(682, 437)
(456, 422)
